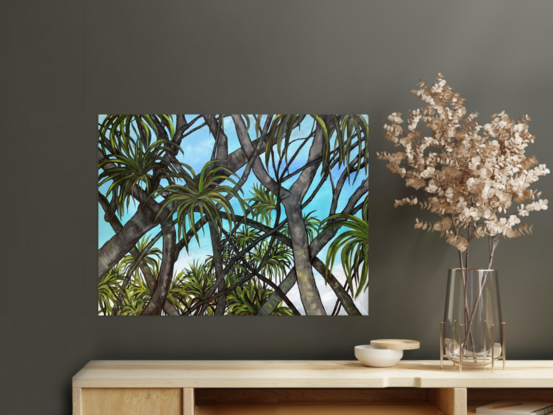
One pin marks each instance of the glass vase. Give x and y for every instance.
(472, 332)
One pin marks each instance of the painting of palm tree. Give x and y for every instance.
(233, 214)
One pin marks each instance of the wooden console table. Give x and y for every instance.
(300, 387)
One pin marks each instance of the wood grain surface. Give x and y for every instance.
(132, 402)
(307, 374)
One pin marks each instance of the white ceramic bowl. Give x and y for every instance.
(371, 356)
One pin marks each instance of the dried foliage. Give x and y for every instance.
(475, 178)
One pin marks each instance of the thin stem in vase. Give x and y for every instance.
(493, 242)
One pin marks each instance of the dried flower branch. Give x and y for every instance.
(476, 179)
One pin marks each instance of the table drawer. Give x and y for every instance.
(131, 401)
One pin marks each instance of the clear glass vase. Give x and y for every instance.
(473, 332)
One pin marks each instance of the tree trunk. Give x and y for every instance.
(148, 277)
(218, 265)
(309, 293)
(288, 283)
(122, 242)
(165, 274)
(316, 246)
(274, 300)
(339, 290)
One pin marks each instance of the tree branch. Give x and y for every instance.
(221, 140)
(300, 187)
(321, 240)
(268, 281)
(249, 151)
(165, 275)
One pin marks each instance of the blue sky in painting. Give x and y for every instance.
(197, 149)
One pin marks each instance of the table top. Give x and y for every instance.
(306, 374)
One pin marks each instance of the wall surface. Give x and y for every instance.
(63, 62)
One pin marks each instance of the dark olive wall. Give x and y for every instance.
(63, 62)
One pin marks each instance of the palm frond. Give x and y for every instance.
(248, 299)
(344, 137)
(109, 290)
(262, 203)
(353, 246)
(204, 194)
(133, 158)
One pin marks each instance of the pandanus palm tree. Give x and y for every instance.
(130, 160)
(270, 266)
(134, 164)
(114, 289)
(244, 236)
(204, 193)
(137, 294)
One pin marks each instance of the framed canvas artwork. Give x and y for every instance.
(233, 215)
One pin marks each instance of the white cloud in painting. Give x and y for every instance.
(329, 298)
(327, 294)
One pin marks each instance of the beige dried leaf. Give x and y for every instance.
(472, 175)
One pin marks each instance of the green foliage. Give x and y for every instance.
(134, 160)
(117, 128)
(343, 137)
(247, 300)
(188, 287)
(244, 236)
(351, 126)
(114, 298)
(279, 260)
(262, 203)
(281, 129)
(150, 258)
(191, 286)
(137, 294)
(201, 193)
(108, 290)
(135, 297)
(354, 247)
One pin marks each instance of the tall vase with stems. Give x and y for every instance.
(476, 182)
(473, 332)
